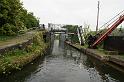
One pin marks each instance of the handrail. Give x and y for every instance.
(109, 30)
(109, 22)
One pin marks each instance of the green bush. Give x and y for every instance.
(14, 18)
(38, 39)
(7, 29)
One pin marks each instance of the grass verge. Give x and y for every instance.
(16, 59)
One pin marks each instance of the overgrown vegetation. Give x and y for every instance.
(71, 28)
(16, 59)
(15, 18)
(4, 38)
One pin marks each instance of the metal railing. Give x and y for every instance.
(112, 20)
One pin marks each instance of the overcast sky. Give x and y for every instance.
(73, 11)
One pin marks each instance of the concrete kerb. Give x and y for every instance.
(90, 52)
(103, 58)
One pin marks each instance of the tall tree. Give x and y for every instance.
(13, 17)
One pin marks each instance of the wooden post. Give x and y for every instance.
(97, 25)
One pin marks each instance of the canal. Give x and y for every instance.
(65, 64)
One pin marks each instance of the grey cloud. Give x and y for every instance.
(73, 11)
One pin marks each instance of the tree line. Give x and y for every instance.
(15, 18)
(72, 29)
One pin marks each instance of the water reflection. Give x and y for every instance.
(22, 75)
(65, 64)
(98, 71)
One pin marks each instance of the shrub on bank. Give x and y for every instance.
(16, 59)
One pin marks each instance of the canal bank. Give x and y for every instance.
(16, 58)
(117, 60)
(65, 64)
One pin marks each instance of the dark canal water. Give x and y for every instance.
(65, 64)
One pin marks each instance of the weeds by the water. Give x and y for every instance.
(16, 59)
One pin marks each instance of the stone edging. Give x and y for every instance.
(105, 58)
